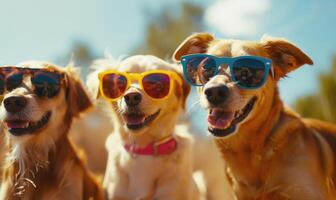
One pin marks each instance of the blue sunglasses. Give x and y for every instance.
(248, 72)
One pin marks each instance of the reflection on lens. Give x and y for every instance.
(114, 85)
(249, 73)
(47, 84)
(14, 80)
(200, 69)
(156, 85)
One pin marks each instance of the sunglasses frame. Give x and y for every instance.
(139, 77)
(6, 70)
(229, 61)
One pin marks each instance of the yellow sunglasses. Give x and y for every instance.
(157, 84)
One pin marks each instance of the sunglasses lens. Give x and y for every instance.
(14, 80)
(199, 69)
(114, 85)
(249, 73)
(47, 84)
(2, 84)
(156, 85)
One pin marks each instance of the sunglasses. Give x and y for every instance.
(157, 84)
(248, 72)
(46, 82)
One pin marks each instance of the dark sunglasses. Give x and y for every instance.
(248, 72)
(46, 82)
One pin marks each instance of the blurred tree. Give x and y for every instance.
(81, 54)
(321, 105)
(166, 30)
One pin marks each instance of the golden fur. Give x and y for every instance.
(90, 133)
(45, 164)
(274, 153)
(147, 177)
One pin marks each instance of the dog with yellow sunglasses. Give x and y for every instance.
(149, 156)
(146, 160)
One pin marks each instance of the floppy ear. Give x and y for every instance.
(196, 43)
(286, 56)
(77, 98)
(183, 90)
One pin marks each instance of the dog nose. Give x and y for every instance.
(133, 98)
(217, 95)
(15, 104)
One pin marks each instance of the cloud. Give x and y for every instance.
(236, 17)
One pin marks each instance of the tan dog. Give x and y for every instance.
(271, 152)
(42, 163)
(131, 174)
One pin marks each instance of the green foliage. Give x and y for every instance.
(169, 28)
(321, 105)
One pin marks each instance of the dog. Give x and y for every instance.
(40, 102)
(270, 151)
(133, 176)
(146, 159)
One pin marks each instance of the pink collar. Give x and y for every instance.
(164, 147)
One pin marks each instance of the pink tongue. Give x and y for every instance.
(134, 119)
(220, 119)
(16, 124)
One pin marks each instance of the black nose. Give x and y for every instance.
(15, 104)
(133, 98)
(217, 95)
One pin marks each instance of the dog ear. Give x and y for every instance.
(196, 43)
(77, 98)
(286, 56)
(183, 90)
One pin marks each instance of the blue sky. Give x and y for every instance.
(45, 29)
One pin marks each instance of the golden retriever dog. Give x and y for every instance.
(40, 102)
(206, 158)
(270, 151)
(146, 158)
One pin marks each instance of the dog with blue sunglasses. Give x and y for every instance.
(271, 152)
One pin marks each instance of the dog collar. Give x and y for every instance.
(164, 147)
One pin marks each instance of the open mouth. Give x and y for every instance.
(222, 123)
(19, 127)
(136, 121)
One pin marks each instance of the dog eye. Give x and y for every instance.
(14, 81)
(46, 84)
(206, 70)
